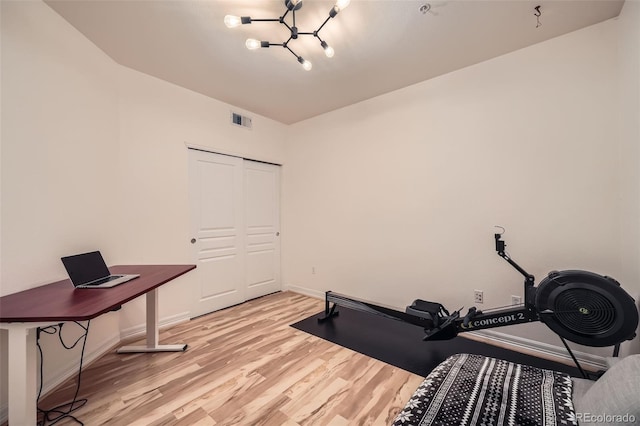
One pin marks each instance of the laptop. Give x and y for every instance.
(88, 270)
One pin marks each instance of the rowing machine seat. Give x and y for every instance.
(429, 310)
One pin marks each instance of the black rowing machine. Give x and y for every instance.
(580, 306)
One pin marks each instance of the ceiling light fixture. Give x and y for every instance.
(292, 5)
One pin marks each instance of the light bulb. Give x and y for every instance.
(291, 4)
(232, 21)
(341, 4)
(252, 44)
(305, 64)
(328, 50)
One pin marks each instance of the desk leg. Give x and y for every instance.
(22, 374)
(152, 331)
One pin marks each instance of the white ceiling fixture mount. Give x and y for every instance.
(291, 6)
(425, 8)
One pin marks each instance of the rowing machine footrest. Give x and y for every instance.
(447, 331)
(429, 310)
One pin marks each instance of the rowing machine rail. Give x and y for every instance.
(437, 325)
(437, 322)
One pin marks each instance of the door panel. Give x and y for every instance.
(262, 222)
(216, 207)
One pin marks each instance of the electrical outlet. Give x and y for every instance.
(478, 296)
(516, 300)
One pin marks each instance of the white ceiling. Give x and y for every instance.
(380, 45)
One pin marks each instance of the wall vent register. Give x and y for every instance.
(240, 120)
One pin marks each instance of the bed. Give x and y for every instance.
(470, 389)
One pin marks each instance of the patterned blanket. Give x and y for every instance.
(476, 390)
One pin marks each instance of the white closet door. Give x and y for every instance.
(235, 221)
(216, 197)
(262, 228)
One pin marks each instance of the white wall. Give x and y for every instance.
(59, 134)
(395, 198)
(629, 119)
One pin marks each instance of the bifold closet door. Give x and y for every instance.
(235, 229)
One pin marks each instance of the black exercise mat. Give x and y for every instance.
(400, 344)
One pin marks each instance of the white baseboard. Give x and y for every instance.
(140, 330)
(316, 294)
(540, 349)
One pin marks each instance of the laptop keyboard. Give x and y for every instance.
(105, 280)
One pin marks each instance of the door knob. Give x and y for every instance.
(193, 241)
(277, 234)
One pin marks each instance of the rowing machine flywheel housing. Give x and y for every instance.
(586, 308)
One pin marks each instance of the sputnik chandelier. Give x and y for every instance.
(292, 5)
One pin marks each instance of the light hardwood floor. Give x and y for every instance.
(244, 366)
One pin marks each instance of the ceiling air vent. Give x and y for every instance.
(240, 120)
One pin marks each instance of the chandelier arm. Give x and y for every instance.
(265, 20)
(292, 52)
(325, 21)
(287, 25)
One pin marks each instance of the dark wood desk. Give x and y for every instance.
(22, 313)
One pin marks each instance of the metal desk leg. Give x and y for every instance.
(152, 331)
(22, 374)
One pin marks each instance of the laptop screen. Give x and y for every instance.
(86, 267)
